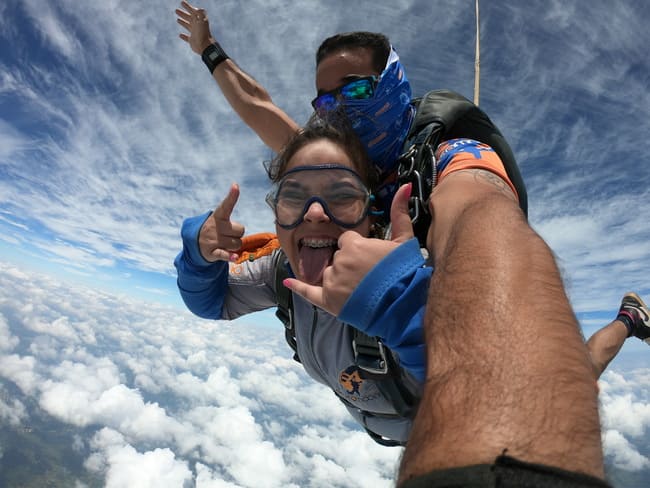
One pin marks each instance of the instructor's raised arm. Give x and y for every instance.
(245, 95)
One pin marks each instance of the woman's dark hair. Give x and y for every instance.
(336, 129)
(376, 42)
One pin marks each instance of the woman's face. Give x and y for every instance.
(310, 245)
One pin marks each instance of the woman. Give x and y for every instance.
(322, 189)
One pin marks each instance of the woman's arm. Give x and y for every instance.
(389, 303)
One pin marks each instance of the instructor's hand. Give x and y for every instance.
(195, 21)
(219, 237)
(356, 256)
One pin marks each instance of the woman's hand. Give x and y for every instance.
(219, 237)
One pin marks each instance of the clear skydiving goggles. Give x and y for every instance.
(338, 189)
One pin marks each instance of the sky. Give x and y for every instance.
(112, 132)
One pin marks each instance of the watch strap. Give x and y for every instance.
(213, 56)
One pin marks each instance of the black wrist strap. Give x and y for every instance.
(213, 56)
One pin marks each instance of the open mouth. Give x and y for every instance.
(315, 254)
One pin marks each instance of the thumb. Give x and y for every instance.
(226, 207)
(402, 228)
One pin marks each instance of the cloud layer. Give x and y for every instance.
(165, 397)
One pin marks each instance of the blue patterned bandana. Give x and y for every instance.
(383, 121)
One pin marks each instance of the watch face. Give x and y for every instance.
(213, 56)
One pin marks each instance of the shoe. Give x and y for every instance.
(632, 306)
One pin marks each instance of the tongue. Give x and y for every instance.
(313, 262)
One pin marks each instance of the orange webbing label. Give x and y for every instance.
(257, 245)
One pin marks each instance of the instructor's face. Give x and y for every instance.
(344, 66)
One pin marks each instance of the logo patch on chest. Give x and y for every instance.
(350, 379)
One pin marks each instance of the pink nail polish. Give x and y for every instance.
(409, 189)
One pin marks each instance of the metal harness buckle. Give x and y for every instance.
(407, 173)
(369, 358)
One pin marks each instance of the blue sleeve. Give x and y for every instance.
(202, 284)
(389, 303)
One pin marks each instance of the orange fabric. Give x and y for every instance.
(257, 245)
(490, 161)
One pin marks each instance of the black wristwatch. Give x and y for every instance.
(213, 55)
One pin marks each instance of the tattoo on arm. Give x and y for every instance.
(484, 176)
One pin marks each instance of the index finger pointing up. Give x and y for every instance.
(225, 208)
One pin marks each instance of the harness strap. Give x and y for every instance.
(369, 354)
(284, 311)
(379, 439)
(377, 363)
(383, 440)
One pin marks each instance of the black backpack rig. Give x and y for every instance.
(440, 115)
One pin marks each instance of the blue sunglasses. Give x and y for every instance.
(359, 89)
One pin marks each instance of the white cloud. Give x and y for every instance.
(11, 141)
(20, 370)
(7, 341)
(12, 411)
(126, 467)
(252, 461)
(205, 478)
(624, 455)
(630, 416)
(54, 30)
(625, 415)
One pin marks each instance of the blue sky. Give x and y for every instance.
(112, 131)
